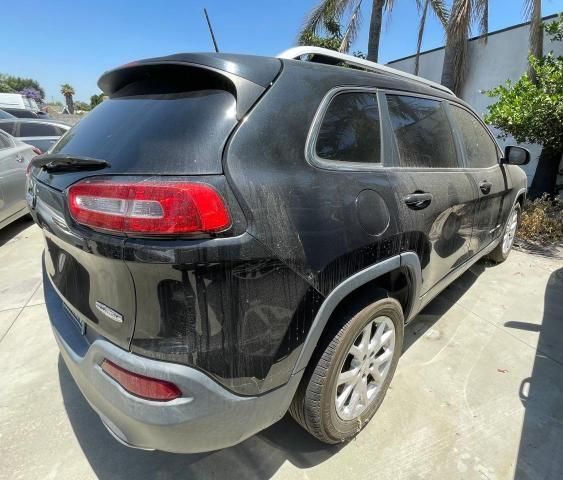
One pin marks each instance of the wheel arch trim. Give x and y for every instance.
(521, 193)
(409, 260)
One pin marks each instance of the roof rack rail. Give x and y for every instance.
(296, 53)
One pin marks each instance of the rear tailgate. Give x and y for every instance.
(86, 268)
(163, 119)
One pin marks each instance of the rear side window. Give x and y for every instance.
(350, 129)
(21, 113)
(480, 150)
(28, 129)
(8, 127)
(5, 141)
(157, 132)
(422, 131)
(61, 131)
(5, 115)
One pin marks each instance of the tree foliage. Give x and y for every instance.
(96, 100)
(533, 112)
(331, 36)
(464, 14)
(317, 29)
(68, 91)
(31, 92)
(12, 84)
(85, 107)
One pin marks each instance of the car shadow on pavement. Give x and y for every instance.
(260, 456)
(540, 454)
(442, 303)
(14, 229)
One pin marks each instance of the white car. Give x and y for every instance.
(16, 100)
(14, 159)
(42, 134)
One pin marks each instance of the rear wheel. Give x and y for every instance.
(501, 251)
(346, 380)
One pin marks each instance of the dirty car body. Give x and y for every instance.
(228, 318)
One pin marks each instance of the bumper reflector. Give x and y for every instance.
(141, 386)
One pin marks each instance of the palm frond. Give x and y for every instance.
(325, 11)
(460, 19)
(352, 29)
(389, 4)
(480, 15)
(440, 10)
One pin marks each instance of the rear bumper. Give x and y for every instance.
(207, 416)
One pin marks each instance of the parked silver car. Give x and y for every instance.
(42, 134)
(14, 159)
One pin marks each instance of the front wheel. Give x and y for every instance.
(346, 381)
(501, 251)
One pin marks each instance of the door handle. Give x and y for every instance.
(418, 200)
(485, 186)
(19, 158)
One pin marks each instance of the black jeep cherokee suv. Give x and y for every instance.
(230, 237)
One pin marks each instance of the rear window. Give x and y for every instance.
(350, 129)
(28, 129)
(41, 144)
(174, 133)
(5, 115)
(21, 113)
(8, 127)
(5, 141)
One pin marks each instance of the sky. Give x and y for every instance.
(75, 41)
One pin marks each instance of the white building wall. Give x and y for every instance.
(504, 56)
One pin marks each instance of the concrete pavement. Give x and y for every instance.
(478, 393)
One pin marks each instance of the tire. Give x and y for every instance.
(502, 250)
(314, 406)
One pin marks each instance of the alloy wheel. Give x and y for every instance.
(510, 232)
(365, 368)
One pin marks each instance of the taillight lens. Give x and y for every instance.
(148, 207)
(141, 386)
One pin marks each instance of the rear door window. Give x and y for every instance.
(350, 130)
(422, 131)
(480, 149)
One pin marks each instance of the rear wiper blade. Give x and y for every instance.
(57, 161)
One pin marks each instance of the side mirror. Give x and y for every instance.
(514, 155)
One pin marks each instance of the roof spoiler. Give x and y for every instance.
(246, 76)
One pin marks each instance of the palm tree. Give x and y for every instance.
(463, 14)
(68, 92)
(375, 27)
(336, 10)
(532, 9)
(442, 14)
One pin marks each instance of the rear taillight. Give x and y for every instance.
(30, 164)
(149, 207)
(141, 386)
